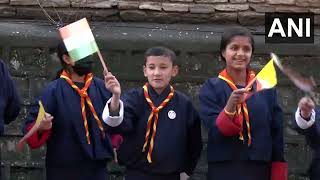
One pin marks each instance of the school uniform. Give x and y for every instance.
(248, 146)
(176, 144)
(78, 145)
(9, 98)
(310, 128)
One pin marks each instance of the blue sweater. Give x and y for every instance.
(67, 145)
(265, 119)
(9, 98)
(178, 143)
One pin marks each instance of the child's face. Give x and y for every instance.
(238, 53)
(159, 70)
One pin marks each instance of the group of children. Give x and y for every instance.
(160, 127)
(156, 128)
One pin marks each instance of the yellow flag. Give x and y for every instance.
(267, 77)
(40, 113)
(34, 129)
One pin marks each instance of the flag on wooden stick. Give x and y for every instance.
(79, 40)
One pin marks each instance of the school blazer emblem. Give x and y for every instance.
(172, 114)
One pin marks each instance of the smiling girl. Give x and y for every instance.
(245, 137)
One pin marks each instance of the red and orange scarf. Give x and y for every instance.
(243, 106)
(154, 113)
(84, 98)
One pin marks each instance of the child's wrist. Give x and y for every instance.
(228, 112)
(115, 96)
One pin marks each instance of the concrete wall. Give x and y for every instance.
(28, 49)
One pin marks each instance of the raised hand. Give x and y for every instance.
(112, 84)
(236, 97)
(306, 106)
(46, 122)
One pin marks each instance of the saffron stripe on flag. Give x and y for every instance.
(77, 40)
(83, 51)
(74, 28)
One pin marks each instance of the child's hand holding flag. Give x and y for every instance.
(43, 122)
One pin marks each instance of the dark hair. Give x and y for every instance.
(61, 50)
(228, 35)
(160, 51)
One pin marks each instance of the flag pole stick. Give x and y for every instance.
(102, 61)
(250, 83)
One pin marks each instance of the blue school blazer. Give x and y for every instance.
(9, 98)
(178, 142)
(67, 146)
(265, 119)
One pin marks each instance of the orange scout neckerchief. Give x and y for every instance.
(154, 113)
(250, 75)
(84, 98)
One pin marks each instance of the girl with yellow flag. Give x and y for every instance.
(245, 133)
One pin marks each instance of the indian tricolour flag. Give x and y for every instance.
(267, 77)
(78, 39)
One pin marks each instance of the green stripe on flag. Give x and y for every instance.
(83, 51)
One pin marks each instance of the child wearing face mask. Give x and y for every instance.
(161, 128)
(245, 136)
(78, 145)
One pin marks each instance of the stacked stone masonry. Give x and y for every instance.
(123, 30)
(164, 11)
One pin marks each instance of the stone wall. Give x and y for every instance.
(244, 12)
(28, 49)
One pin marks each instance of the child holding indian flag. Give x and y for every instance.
(245, 133)
(78, 146)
